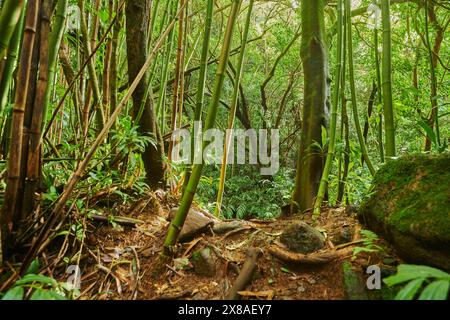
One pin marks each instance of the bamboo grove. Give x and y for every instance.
(91, 93)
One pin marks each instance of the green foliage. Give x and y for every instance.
(246, 195)
(34, 286)
(127, 138)
(369, 240)
(436, 283)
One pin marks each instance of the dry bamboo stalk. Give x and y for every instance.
(76, 176)
(14, 161)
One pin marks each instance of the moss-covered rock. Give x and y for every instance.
(410, 205)
(354, 286)
(303, 238)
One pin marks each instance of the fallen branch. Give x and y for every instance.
(315, 258)
(123, 221)
(246, 274)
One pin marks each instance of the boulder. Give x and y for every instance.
(196, 223)
(409, 204)
(302, 238)
(345, 235)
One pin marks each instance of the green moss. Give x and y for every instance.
(412, 195)
(354, 287)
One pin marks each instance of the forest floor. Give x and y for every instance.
(121, 260)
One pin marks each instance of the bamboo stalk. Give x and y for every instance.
(12, 55)
(389, 127)
(32, 157)
(353, 91)
(76, 176)
(380, 93)
(188, 196)
(160, 108)
(9, 17)
(199, 99)
(233, 107)
(178, 74)
(91, 65)
(332, 143)
(81, 71)
(50, 43)
(434, 116)
(15, 156)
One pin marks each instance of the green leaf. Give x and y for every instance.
(437, 290)
(429, 131)
(33, 268)
(408, 272)
(285, 270)
(15, 293)
(30, 278)
(410, 290)
(46, 295)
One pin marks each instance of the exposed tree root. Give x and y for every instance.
(315, 258)
(246, 274)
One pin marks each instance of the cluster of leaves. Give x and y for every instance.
(435, 283)
(369, 240)
(246, 194)
(122, 169)
(33, 286)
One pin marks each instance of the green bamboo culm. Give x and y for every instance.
(353, 89)
(233, 107)
(188, 196)
(389, 128)
(56, 36)
(9, 17)
(10, 63)
(434, 118)
(336, 93)
(199, 99)
(160, 109)
(379, 95)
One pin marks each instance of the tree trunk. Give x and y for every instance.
(315, 109)
(138, 16)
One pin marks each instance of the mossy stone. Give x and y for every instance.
(303, 238)
(409, 204)
(354, 286)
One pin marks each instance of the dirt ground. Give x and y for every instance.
(120, 262)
